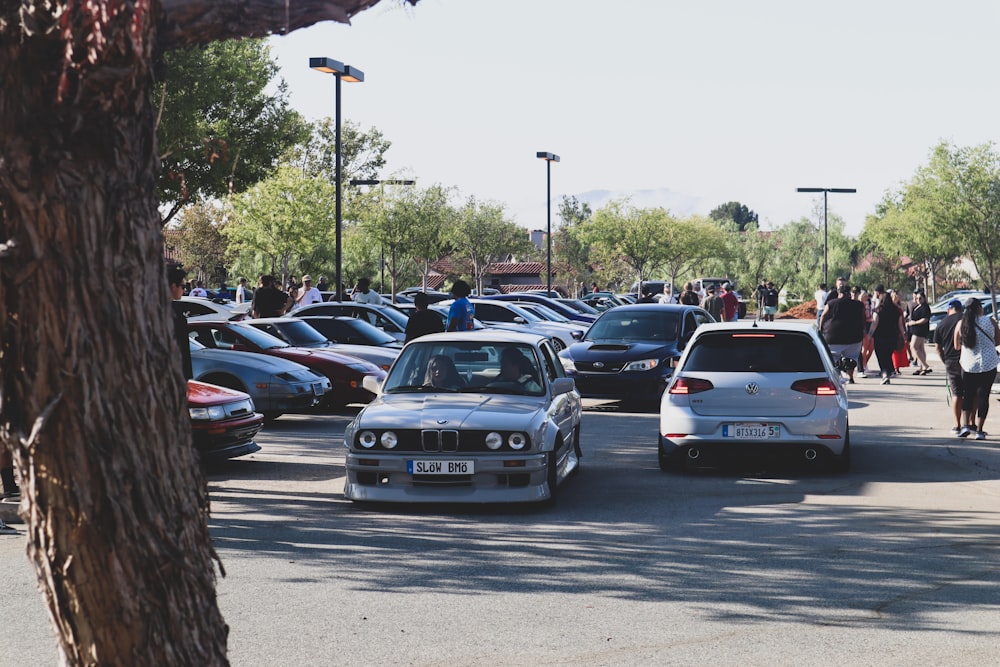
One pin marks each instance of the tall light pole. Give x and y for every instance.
(825, 240)
(549, 159)
(352, 75)
(375, 181)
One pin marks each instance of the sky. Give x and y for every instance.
(675, 103)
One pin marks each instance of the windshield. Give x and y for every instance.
(645, 325)
(545, 312)
(259, 338)
(472, 366)
(301, 334)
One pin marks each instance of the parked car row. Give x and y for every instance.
(494, 415)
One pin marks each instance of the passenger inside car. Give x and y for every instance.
(441, 373)
(517, 368)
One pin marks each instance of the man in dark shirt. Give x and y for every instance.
(843, 326)
(422, 321)
(945, 343)
(175, 278)
(268, 300)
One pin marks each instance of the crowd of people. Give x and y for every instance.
(858, 325)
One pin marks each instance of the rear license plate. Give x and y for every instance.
(442, 467)
(751, 431)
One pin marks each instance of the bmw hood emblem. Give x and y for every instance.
(442, 422)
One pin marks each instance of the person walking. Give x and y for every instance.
(769, 301)
(844, 327)
(241, 291)
(307, 293)
(688, 296)
(888, 335)
(820, 296)
(944, 341)
(10, 487)
(462, 312)
(976, 336)
(713, 303)
(919, 327)
(268, 300)
(731, 304)
(363, 293)
(422, 321)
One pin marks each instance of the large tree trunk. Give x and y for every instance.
(93, 400)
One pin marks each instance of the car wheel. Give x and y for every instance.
(576, 445)
(552, 472)
(269, 417)
(673, 462)
(557, 344)
(227, 381)
(842, 463)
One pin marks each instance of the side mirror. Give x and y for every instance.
(563, 386)
(577, 335)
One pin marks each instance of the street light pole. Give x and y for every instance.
(549, 159)
(352, 75)
(825, 236)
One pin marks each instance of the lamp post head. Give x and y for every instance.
(337, 68)
(548, 157)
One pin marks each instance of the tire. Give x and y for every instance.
(842, 464)
(552, 472)
(557, 345)
(269, 417)
(227, 381)
(673, 462)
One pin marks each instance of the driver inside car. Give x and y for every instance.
(515, 367)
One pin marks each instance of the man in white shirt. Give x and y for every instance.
(241, 291)
(308, 294)
(363, 293)
(199, 290)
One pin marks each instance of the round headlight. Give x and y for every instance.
(517, 441)
(389, 440)
(367, 439)
(494, 440)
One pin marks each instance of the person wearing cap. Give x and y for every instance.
(713, 303)
(307, 293)
(919, 327)
(944, 340)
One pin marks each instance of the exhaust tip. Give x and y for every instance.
(811, 454)
(694, 453)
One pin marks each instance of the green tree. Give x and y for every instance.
(480, 235)
(687, 242)
(569, 251)
(629, 239)
(363, 152)
(283, 220)
(736, 213)
(201, 246)
(224, 121)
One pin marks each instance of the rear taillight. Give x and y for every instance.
(685, 385)
(816, 386)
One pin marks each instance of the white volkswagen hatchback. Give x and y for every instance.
(749, 390)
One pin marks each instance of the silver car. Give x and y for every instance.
(743, 391)
(468, 417)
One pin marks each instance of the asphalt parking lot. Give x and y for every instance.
(893, 563)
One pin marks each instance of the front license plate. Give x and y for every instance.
(751, 431)
(442, 467)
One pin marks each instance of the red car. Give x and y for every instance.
(223, 421)
(346, 373)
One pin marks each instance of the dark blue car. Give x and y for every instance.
(629, 353)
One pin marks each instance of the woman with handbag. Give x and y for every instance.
(977, 336)
(888, 335)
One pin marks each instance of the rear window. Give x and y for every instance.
(771, 352)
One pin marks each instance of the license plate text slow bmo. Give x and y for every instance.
(751, 431)
(441, 467)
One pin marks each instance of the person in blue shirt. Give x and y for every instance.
(461, 313)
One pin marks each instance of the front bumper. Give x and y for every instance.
(498, 478)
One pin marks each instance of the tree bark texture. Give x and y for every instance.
(92, 398)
